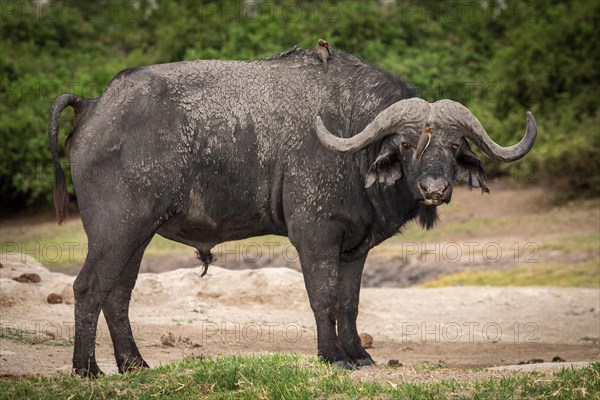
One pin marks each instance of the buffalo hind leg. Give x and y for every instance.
(116, 312)
(110, 248)
(348, 290)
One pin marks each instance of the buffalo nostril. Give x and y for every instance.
(431, 185)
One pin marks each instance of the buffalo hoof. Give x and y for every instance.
(345, 365)
(364, 362)
(88, 373)
(339, 362)
(135, 364)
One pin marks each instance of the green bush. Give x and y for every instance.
(568, 159)
(498, 58)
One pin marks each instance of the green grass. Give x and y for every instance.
(585, 274)
(413, 231)
(588, 242)
(298, 377)
(32, 338)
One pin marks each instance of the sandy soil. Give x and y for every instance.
(178, 314)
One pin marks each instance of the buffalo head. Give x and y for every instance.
(426, 144)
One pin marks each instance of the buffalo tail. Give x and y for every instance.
(61, 196)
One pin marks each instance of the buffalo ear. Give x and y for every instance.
(472, 167)
(386, 169)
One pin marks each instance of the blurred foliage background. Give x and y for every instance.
(498, 57)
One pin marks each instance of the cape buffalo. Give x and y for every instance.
(203, 152)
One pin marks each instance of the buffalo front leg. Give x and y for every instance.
(321, 280)
(348, 290)
(116, 312)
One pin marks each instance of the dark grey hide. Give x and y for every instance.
(204, 152)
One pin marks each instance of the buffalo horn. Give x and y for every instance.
(390, 120)
(456, 114)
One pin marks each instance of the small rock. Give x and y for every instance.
(54, 298)
(558, 359)
(28, 278)
(50, 335)
(366, 340)
(184, 341)
(193, 357)
(395, 364)
(532, 361)
(168, 340)
(67, 294)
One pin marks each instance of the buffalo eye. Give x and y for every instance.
(407, 146)
(455, 146)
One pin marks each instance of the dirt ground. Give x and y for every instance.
(177, 314)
